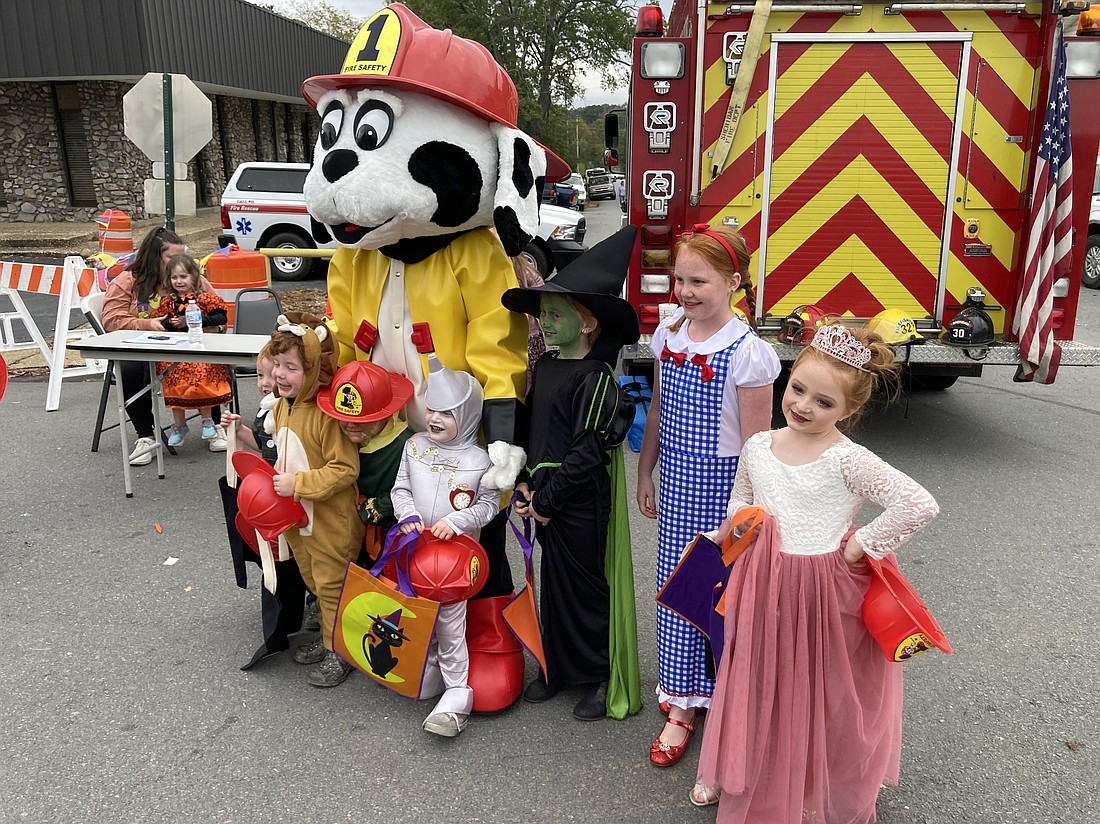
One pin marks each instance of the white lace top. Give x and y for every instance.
(816, 503)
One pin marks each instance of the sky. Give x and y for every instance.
(593, 94)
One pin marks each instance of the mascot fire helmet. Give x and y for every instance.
(396, 49)
(801, 324)
(894, 327)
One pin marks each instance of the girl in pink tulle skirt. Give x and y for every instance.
(805, 724)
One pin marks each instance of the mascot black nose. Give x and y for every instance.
(338, 163)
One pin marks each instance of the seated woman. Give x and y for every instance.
(131, 300)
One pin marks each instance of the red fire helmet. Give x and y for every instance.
(271, 514)
(396, 48)
(895, 615)
(801, 325)
(447, 571)
(362, 391)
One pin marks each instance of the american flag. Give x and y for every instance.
(1051, 240)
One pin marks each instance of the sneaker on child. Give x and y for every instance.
(175, 438)
(143, 452)
(447, 724)
(208, 429)
(219, 443)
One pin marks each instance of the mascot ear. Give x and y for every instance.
(522, 168)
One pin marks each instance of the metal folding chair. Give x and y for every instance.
(255, 314)
(92, 307)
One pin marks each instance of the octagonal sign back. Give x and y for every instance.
(143, 117)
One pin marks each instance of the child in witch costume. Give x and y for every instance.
(365, 398)
(573, 486)
(439, 488)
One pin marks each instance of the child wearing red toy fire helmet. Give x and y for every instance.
(439, 488)
(805, 721)
(364, 398)
(318, 466)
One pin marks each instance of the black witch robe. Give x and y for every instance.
(570, 407)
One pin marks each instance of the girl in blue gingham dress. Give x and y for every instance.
(713, 390)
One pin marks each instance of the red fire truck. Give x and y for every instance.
(875, 156)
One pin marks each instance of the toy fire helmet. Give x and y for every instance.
(362, 392)
(447, 571)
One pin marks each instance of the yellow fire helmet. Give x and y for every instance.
(894, 327)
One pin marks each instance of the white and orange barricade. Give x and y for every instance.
(69, 283)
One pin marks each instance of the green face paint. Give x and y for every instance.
(561, 326)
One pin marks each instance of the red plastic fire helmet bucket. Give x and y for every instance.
(447, 571)
(496, 657)
(247, 532)
(271, 514)
(3, 376)
(896, 617)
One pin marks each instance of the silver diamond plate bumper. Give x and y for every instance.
(930, 352)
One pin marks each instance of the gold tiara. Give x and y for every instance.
(838, 342)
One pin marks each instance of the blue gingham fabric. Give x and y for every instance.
(694, 490)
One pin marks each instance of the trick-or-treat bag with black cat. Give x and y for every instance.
(381, 626)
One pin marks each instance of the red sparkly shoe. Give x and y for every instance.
(665, 755)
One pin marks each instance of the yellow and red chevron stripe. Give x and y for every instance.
(860, 158)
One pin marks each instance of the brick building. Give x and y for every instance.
(66, 64)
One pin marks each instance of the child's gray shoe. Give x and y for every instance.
(311, 653)
(330, 672)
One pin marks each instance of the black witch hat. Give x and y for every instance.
(595, 280)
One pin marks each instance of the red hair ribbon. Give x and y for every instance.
(706, 372)
(704, 229)
(675, 357)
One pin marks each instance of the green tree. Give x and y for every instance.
(322, 16)
(544, 45)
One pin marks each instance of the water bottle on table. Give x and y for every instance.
(194, 322)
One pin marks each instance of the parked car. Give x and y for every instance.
(263, 208)
(560, 193)
(1090, 274)
(592, 172)
(579, 189)
(600, 187)
(560, 240)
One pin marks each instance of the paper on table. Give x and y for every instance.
(158, 338)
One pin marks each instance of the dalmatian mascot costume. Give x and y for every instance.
(418, 156)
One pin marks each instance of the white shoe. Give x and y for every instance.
(447, 724)
(146, 446)
(219, 442)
